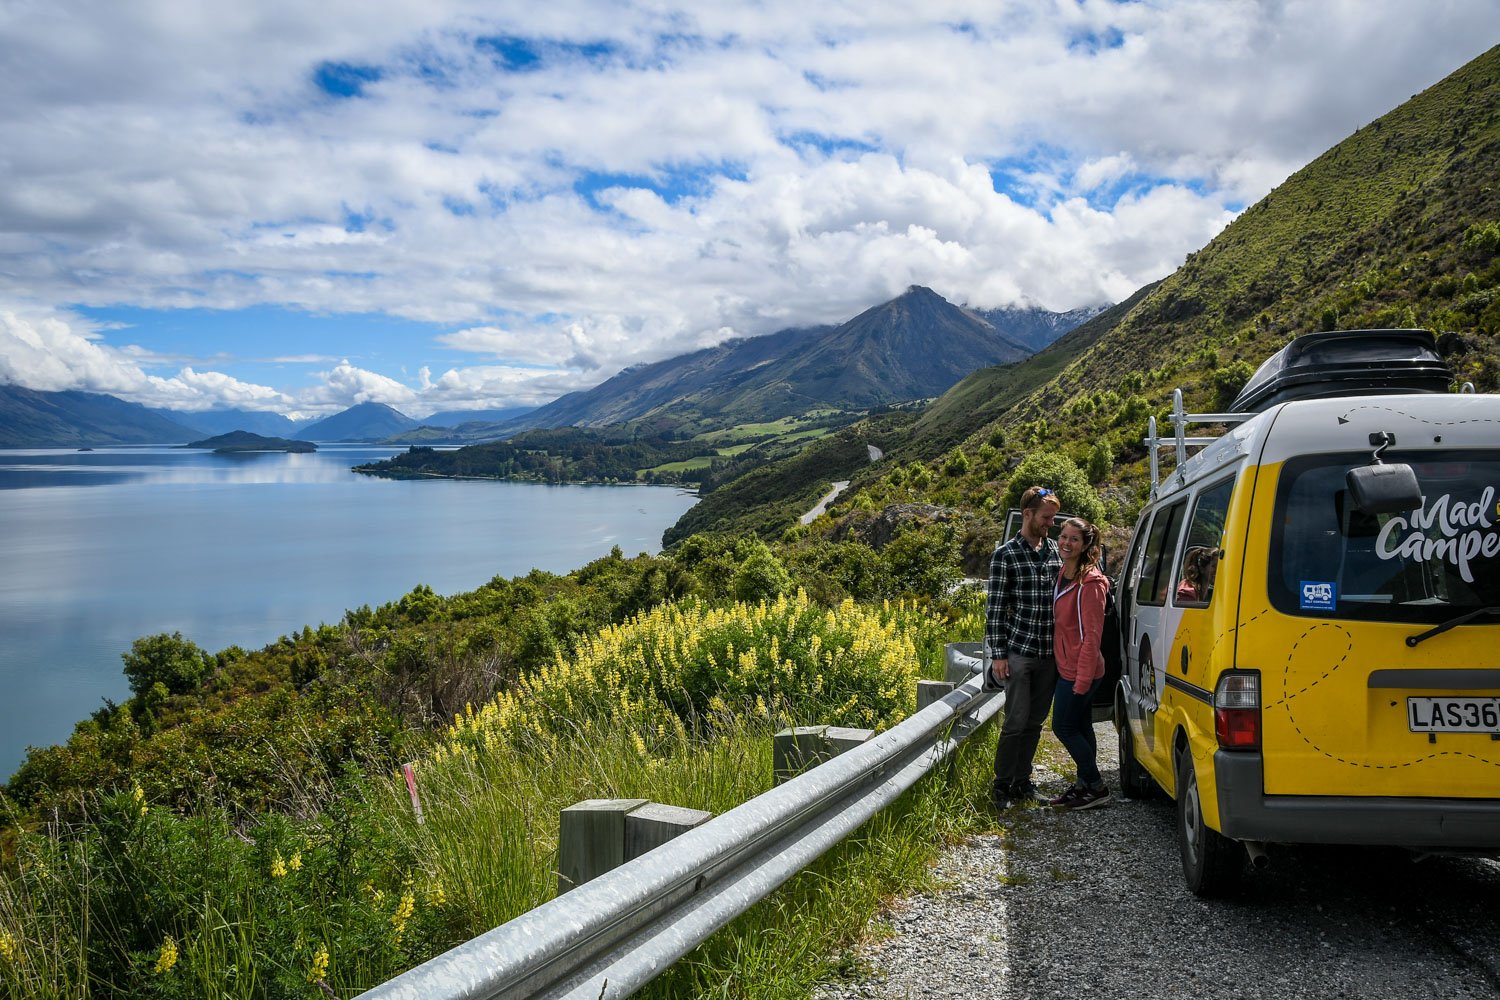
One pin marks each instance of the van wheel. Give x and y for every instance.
(1135, 782)
(1211, 862)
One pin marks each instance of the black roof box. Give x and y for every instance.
(1346, 363)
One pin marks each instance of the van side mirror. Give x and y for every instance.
(1384, 489)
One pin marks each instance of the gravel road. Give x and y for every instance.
(1093, 904)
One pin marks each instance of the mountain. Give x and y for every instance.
(1036, 328)
(214, 422)
(361, 422)
(453, 418)
(675, 384)
(31, 418)
(1396, 226)
(913, 347)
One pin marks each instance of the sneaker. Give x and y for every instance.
(1088, 798)
(1064, 800)
(1025, 791)
(1009, 796)
(1000, 798)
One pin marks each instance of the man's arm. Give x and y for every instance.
(997, 623)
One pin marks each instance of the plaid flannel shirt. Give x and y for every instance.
(1018, 619)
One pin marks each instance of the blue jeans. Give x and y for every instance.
(1073, 722)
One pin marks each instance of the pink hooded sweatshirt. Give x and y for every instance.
(1078, 616)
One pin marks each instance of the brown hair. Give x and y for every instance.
(1093, 544)
(1038, 495)
(1196, 562)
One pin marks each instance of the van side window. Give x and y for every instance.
(1160, 547)
(1200, 556)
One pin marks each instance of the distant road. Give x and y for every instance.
(875, 453)
(838, 488)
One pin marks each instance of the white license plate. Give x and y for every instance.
(1453, 715)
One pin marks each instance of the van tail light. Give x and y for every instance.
(1237, 711)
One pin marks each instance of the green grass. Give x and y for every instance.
(770, 428)
(701, 462)
(136, 900)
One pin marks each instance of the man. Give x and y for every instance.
(1018, 632)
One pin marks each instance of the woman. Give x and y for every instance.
(1078, 613)
(1198, 564)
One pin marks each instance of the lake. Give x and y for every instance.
(100, 548)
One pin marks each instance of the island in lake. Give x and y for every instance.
(245, 441)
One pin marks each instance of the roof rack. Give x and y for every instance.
(1179, 439)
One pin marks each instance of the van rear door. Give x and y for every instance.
(1380, 652)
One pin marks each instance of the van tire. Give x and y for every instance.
(1211, 863)
(1135, 781)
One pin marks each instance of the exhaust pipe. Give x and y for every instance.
(1259, 859)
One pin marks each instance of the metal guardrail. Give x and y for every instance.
(612, 935)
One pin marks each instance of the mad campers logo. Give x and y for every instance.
(1443, 528)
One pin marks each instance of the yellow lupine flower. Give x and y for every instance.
(404, 909)
(278, 866)
(10, 949)
(295, 862)
(318, 971)
(167, 958)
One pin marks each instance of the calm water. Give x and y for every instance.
(100, 548)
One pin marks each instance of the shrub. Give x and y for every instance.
(1482, 238)
(760, 576)
(1101, 461)
(175, 663)
(1228, 381)
(685, 662)
(1059, 473)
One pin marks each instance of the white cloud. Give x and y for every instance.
(50, 351)
(741, 168)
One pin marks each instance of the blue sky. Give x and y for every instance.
(440, 205)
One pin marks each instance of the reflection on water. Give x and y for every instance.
(31, 469)
(104, 547)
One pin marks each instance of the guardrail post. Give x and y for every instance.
(591, 839)
(960, 660)
(842, 739)
(931, 691)
(653, 824)
(796, 749)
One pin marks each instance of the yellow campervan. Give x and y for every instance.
(1310, 610)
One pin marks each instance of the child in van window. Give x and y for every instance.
(1078, 600)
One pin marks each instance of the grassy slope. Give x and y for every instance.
(769, 499)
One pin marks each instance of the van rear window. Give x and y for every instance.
(1330, 560)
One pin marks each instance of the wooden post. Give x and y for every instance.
(797, 749)
(931, 691)
(591, 839)
(959, 659)
(653, 824)
(841, 739)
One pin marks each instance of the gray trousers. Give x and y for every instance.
(1028, 698)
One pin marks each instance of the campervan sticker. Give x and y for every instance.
(1318, 595)
(1442, 528)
